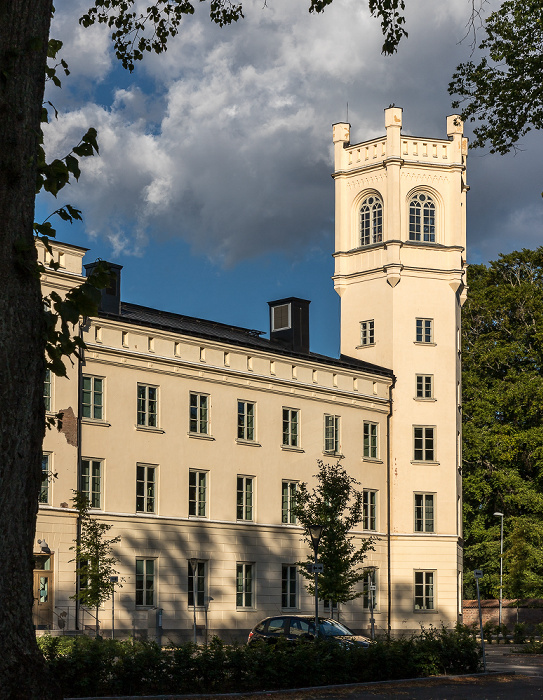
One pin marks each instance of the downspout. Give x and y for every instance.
(389, 567)
(80, 363)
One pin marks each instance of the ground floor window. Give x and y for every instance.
(425, 590)
(244, 585)
(288, 586)
(145, 582)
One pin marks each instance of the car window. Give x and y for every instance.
(260, 627)
(276, 626)
(299, 627)
(334, 629)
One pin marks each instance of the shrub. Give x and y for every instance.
(519, 633)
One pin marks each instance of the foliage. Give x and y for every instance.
(137, 32)
(94, 560)
(337, 505)
(90, 667)
(503, 91)
(503, 421)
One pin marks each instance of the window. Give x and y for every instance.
(288, 497)
(424, 330)
(280, 317)
(288, 586)
(47, 390)
(423, 443)
(369, 509)
(330, 607)
(371, 221)
(145, 489)
(291, 427)
(197, 493)
(244, 585)
(45, 478)
(200, 584)
(199, 414)
(370, 440)
(331, 434)
(422, 218)
(246, 420)
(92, 398)
(244, 503)
(425, 386)
(424, 512)
(145, 582)
(424, 590)
(147, 406)
(369, 587)
(91, 481)
(367, 332)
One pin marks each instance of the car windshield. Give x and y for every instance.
(330, 628)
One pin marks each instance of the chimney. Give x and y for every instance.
(289, 323)
(110, 301)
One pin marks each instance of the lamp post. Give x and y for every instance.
(371, 598)
(500, 515)
(315, 532)
(194, 566)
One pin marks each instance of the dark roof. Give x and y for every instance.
(235, 335)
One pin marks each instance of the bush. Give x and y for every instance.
(519, 633)
(89, 667)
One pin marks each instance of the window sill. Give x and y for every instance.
(251, 443)
(148, 429)
(366, 345)
(374, 460)
(95, 421)
(329, 453)
(423, 461)
(425, 612)
(198, 517)
(201, 436)
(420, 398)
(243, 521)
(290, 448)
(421, 342)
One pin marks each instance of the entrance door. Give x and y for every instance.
(42, 610)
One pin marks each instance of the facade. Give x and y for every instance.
(190, 436)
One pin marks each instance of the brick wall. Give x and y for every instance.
(529, 611)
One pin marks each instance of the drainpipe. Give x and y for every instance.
(389, 567)
(80, 363)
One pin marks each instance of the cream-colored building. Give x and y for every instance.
(189, 436)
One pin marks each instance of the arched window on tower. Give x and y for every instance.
(422, 218)
(371, 220)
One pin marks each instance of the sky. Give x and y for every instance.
(213, 187)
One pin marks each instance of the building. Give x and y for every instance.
(190, 436)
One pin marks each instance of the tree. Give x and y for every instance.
(337, 505)
(503, 91)
(503, 416)
(24, 46)
(94, 559)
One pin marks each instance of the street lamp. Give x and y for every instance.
(315, 532)
(500, 515)
(371, 597)
(194, 566)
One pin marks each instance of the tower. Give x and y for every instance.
(400, 272)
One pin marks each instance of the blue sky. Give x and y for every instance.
(213, 185)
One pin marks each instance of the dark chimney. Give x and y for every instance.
(111, 296)
(289, 323)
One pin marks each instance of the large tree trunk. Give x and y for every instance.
(24, 32)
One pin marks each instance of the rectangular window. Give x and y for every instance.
(145, 582)
(91, 481)
(291, 427)
(424, 590)
(92, 398)
(370, 440)
(424, 330)
(45, 478)
(369, 509)
(367, 332)
(245, 500)
(246, 420)
(288, 587)
(330, 607)
(147, 406)
(199, 576)
(244, 585)
(425, 386)
(424, 512)
(369, 587)
(197, 493)
(145, 489)
(423, 443)
(47, 390)
(199, 414)
(288, 497)
(331, 433)
(280, 317)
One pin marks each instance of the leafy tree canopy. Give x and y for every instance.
(503, 91)
(503, 420)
